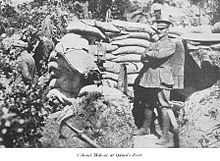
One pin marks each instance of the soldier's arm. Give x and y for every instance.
(162, 52)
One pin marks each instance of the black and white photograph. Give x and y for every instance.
(110, 74)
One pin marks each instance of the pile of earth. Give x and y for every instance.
(200, 119)
(101, 113)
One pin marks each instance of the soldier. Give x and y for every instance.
(42, 51)
(25, 63)
(156, 81)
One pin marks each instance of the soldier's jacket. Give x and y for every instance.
(42, 52)
(157, 72)
(26, 66)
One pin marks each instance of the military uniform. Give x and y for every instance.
(42, 52)
(155, 81)
(158, 71)
(26, 66)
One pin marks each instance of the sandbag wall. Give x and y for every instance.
(126, 48)
(124, 43)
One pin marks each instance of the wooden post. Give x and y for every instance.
(122, 79)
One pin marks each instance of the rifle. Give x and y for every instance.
(80, 134)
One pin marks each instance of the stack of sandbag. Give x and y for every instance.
(126, 48)
(124, 43)
(69, 63)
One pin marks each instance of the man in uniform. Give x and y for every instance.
(42, 51)
(25, 63)
(156, 81)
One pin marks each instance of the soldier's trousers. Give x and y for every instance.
(149, 98)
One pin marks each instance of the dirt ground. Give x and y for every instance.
(150, 141)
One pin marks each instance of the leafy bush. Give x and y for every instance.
(23, 108)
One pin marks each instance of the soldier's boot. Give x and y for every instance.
(165, 128)
(176, 137)
(146, 123)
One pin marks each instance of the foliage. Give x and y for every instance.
(23, 107)
(210, 6)
(120, 7)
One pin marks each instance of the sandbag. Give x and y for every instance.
(109, 57)
(88, 22)
(131, 77)
(71, 41)
(113, 34)
(215, 47)
(216, 28)
(81, 61)
(131, 42)
(120, 37)
(112, 67)
(132, 26)
(109, 47)
(108, 27)
(66, 85)
(132, 67)
(109, 83)
(127, 58)
(111, 76)
(139, 35)
(129, 50)
(67, 74)
(83, 29)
